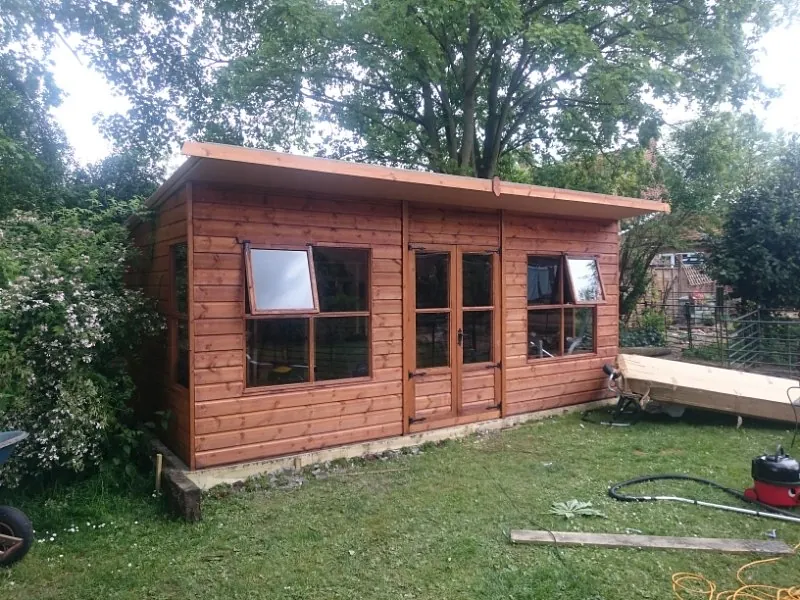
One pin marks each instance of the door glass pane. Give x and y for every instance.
(277, 351)
(433, 340)
(433, 280)
(543, 282)
(477, 340)
(579, 330)
(342, 275)
(544, 333)
(585, 279)
(477, 279)
(341, 347)
(281, 280)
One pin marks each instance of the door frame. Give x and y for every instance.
(456, 365)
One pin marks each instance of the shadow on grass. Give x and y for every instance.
(692, 416)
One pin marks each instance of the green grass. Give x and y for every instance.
(431, 526)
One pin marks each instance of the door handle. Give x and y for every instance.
(459, 336)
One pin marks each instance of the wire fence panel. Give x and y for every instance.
(719, 333)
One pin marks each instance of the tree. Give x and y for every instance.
(758, 252)
(119, 176)
(711, 160)
(34, 155)
(436, 84)
(33, 152)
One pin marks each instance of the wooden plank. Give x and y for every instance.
(218, 293)
(387, 347)
(488, 241)
(290, 234)
(298, 414)
(216, 441)
(223, 195)
(287, 215)
(274, 400)
(219, 276)
(213, 360)
(213, 343)
(218, 310)
(559, 389)
(615, 540)
(218, 375)
(558, 401)
(465, 419)
(292, 446)
(218, 326)
(725, 390)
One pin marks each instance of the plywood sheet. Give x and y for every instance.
(712, 388)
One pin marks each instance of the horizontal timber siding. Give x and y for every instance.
(541, 384)
(153, 240)
(233, 424)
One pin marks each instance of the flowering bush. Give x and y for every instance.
(69, 329)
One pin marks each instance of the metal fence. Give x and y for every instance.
(719, 332)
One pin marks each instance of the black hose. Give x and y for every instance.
(614, 492)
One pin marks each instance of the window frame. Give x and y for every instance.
(563, 306)
(576, 302)
(251, 288)
(312, 317)
(175, 318)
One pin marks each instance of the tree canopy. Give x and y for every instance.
(758, 252)
(436, 84)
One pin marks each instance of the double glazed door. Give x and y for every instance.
(456, 347)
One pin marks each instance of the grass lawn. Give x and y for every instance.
(433, 525)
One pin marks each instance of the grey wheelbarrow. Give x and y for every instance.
(16, 531)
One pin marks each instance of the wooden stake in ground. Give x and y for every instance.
(613, 540)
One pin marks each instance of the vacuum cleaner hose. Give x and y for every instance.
(614, 491)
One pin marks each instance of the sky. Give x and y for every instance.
(87, 93)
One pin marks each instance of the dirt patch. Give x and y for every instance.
(671, 452)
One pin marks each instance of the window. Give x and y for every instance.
(281, 281)
(584, 278)
(307, 315)
(179, 314)
(562, 296)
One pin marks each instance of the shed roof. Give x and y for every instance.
(220, 163)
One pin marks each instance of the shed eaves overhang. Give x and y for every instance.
(220, 163)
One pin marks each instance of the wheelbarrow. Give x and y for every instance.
(16, 531)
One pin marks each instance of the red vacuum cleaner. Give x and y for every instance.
(776, 488)
(776, 480)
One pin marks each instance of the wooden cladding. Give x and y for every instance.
(234, 423)
(230, 423)
(164, 275)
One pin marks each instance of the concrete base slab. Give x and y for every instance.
(207, 478)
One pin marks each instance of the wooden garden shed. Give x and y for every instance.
(313, 303)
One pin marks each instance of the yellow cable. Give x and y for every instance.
(696, 585)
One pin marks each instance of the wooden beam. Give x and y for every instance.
(191, 316)
(711, 388)
(408, 323)
(501, 308)
(613, 540)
